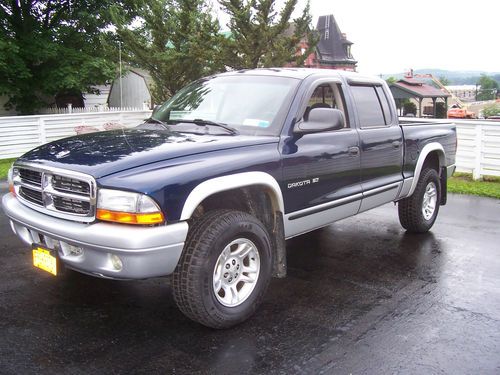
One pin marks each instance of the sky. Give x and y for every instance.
(392, 36)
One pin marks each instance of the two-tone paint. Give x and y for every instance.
(315, 179)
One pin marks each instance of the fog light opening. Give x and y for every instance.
(70, 250)
(75, 250)
(116, 262)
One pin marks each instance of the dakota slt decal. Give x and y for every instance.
(292, 185)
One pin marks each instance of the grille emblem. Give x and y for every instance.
(47, 200)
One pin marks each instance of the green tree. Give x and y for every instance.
(491, 110)
(391, 80)
(488, 89)
(177, 41)
(444, 81)
(262, 36)
(50, 47)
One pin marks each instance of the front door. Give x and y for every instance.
(321, 171)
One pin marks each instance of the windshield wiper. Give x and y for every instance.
(201, 122)
(155, 120)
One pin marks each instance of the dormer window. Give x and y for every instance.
(347, 50)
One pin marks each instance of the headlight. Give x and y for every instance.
(125, 207)
(10, 178)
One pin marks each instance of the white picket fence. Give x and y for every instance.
(478, 140)
(101, 108)
(19, 134)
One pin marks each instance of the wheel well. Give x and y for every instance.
(252, 200)
(432, 160)
(435, 161)
(259, 202)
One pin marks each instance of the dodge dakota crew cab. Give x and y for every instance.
(208, 188)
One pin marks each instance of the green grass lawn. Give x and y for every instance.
(462, 183)
(4, 167)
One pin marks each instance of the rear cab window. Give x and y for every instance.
(372, 106)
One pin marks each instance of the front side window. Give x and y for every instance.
(327, 95)
(254, 105)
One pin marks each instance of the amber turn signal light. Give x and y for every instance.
(130, 218)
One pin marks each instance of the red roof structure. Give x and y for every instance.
(420, 88)
(411, 88)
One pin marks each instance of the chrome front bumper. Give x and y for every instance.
(89, 248)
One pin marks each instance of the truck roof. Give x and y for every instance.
(301, 73)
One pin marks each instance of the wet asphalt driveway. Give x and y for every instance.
(362, 297)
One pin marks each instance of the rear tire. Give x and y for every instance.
(418, 212)
(225, 269)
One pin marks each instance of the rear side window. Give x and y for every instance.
(385, 105)
(368, 106)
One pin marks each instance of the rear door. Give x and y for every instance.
(381, 144)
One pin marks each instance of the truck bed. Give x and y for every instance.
(417, 134)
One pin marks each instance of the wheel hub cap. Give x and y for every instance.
(430, 200)
(236, 272)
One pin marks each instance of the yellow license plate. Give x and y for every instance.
(43, 260)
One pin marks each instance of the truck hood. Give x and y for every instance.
(104, 153)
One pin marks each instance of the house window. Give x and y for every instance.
(327, 27)
(347, 49)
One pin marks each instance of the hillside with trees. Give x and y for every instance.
(451, 77)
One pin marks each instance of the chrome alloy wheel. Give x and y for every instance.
(236, 272)
(430, 200)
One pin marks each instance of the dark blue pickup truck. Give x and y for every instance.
(209, 188)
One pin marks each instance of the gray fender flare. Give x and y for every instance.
(428, 148)
(229, 182)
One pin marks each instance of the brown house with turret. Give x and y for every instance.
(333, 50)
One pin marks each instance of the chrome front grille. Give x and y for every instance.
(57, 192)
(70, 185)
(71, 205)
(31, 195)
(30, 176)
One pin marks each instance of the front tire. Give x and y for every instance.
(418, 212)
(225, 269)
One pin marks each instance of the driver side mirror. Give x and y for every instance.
(321, 119)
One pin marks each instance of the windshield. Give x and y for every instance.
(254, 105)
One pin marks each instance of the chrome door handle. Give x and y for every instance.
(396, 144)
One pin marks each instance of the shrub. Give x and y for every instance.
(491, 110)
(440, 110)
(409, 107)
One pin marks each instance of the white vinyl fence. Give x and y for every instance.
(478, 147)
(478, 140)
(19, 134)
